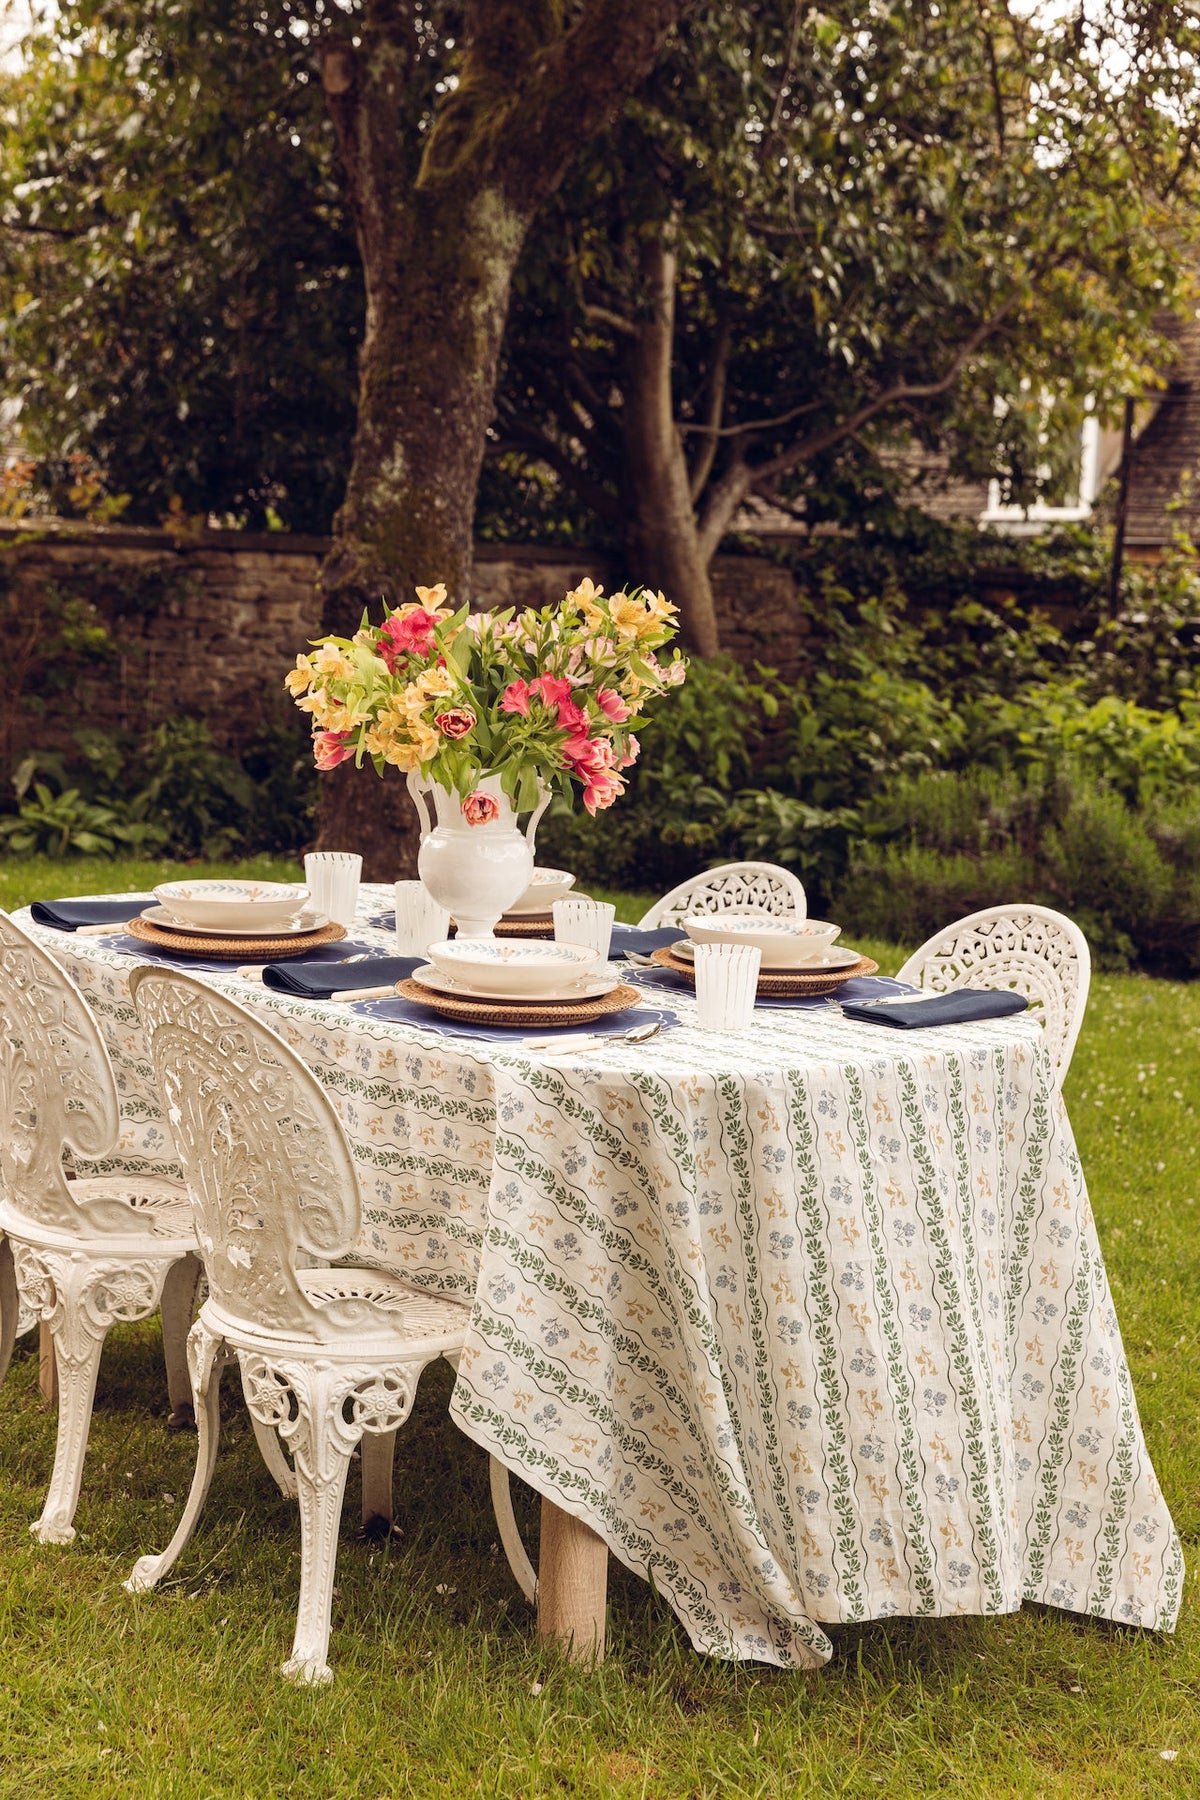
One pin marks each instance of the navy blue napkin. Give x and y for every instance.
(411, 1012)
(955, 1008)
(314, 978)
(632, 937)
(69, 915)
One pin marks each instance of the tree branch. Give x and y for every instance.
(893, 396)
(604, 315)
(715, 407)
(754, 425)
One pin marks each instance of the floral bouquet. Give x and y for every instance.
(544, 700)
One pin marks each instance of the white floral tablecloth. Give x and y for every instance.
(810, 1324)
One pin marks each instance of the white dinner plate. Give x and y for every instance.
(166, 921)
(595, 989)
(836, 958)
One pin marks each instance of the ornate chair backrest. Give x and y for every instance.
(1031, 949)
(57, 1088)
(265, 1158)
(734, 887)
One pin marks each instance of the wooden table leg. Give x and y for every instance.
(572, 1584)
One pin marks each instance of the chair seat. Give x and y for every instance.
(369, 1312)
(133, 1212)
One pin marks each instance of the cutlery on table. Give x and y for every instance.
(101, 930)
(586, 1040)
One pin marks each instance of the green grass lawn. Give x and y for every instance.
(441, 1686)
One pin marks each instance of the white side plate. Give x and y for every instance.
(166, 921)
(433, 978)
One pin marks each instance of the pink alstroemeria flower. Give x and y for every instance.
(331, 748)
(480, 808)
(552, 689)
(456, 722)
(632, 752)
(571, 717)
(406, 633)
(612, 705)
(515, 698)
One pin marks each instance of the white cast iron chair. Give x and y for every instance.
(734, 887)
(79, 1254)
(1031, 949)
(326, 1354)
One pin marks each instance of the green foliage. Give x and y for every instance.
(65, 823)
(877, 239)
(941, 845)
(171, 793)
(181, 288)
(698, 745)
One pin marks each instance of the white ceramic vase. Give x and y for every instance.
(475, 871)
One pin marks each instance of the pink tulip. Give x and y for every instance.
(632, 752)
(612, 705)
(480, 808)
(455, 723)
(601, 791)
(515, 698)
(331, 748)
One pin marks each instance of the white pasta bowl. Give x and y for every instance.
(546, 886)
(232, 905)
(784, 943)
(514, 968)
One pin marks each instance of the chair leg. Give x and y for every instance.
(322, 1442)
(207, 1356)
(377, 1450)
(180, 1289)
(524, 1573)
(79, 1299)
(10, 1305)
(271, 1451)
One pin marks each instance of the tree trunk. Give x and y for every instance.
(662, 542)
(440, 211)
(437, 296)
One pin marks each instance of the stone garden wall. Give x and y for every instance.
(209, 625)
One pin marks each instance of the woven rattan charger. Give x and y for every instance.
(776, 984)
(241, 949)
(520, 1012)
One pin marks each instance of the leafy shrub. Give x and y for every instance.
(695, 752)
(173, 793)
(944, 845)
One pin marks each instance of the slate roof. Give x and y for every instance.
(1165, 458)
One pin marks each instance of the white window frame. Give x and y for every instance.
(1019, 520)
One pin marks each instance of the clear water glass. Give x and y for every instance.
(332, 877)
(420, 921)
(587, 922)
(726, 985)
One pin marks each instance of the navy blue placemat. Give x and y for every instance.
(411, 1012)
(859, 987)
(632, 937)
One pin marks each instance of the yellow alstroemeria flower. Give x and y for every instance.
(432, 597)
(333, 663)
(584, 597)
(434, 683)
(297, 681)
